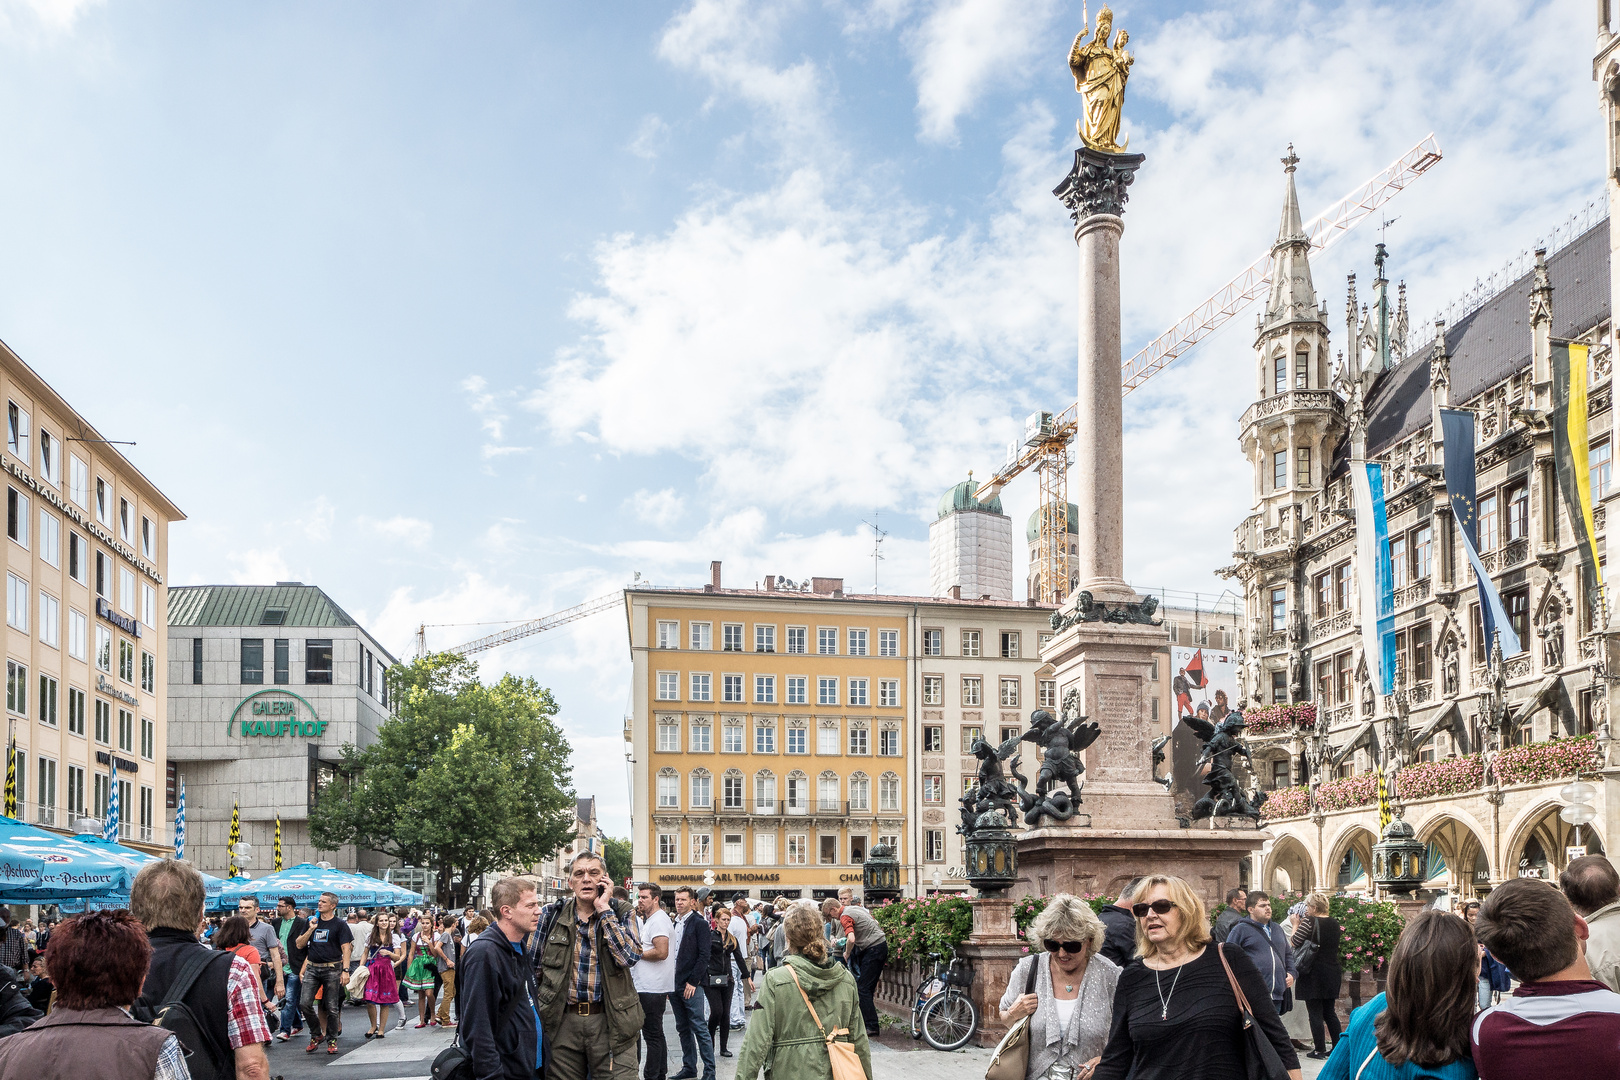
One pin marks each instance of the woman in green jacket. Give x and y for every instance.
(783, 1039)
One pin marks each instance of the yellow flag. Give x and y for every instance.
(236, 836)
(278, 844)
(1384, 816)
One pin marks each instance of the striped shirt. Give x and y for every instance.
(1575, 1024)
(621, 942)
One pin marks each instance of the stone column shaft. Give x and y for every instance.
(1097, 483)
(1094, 192)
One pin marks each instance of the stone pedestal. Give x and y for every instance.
(994, 950)
(1095, 860)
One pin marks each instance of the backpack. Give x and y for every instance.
(205, 1060)
(454, 1062)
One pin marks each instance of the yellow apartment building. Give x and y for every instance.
(87, 554)
(768, 735)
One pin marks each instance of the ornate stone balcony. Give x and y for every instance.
(1318, 400)
(1333, 624)
(1415, 593)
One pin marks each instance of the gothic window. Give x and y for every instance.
(1279, 470)
(1302, 369)
(1279, 609)
(1518, 512)
(1422, 552)
(1489, 523)
(1302, 466)
(1280, 375)
(1397, 560)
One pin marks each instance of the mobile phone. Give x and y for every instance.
(600, 889)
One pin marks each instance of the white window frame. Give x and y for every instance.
(859, 639)
(765, 689)
(669, 686)
(764, 737)
(888, 643)
(700, 738)
(667, 727)
(702, 848)
(50, 699)
(103, 502)
(701, 686)
(858, 691)
(126, 521)
(765, 637)
(889, 693)
(669, 633)
(798, 640)
(24, 524)
(733, 732)
(730, 632)
(50, 620)
(148, 605)
(702, 638)
(700, 790)
(798, 690)
(16, 603)
(731, 688)
(972, 692)
(126, 590)
(828, 742)
(825, 636)
(103, 658)
(50, 538)
(78, 482)
(826, 690)
(82, 563)
(50, 458)
(669, 849)
(148, 537)
(889, 793)
(17, 433)
(972, 643)
(764, 848)
(798, 849)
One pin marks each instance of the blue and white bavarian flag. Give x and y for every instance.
(1457, 431)
(110, 831)
(180, 824)
(1374, 577)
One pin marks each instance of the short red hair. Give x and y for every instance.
(98, 960)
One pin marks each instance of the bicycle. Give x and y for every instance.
(943, 1013)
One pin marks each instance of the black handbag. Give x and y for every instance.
(1305, 955)
(1260, 1056)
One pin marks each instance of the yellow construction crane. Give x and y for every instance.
(1045, 446)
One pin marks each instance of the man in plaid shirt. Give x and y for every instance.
(584, 953)
(13, 946)
(167, 897)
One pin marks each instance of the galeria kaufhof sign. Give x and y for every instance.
(274, 714)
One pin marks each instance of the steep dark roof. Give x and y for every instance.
(1492, 343)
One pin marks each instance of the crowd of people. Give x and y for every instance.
(1148, 988)
(1526, 978)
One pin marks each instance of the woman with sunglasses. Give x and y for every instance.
(1073, 989)
(1175, 1016)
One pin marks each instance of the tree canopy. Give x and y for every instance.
(619, 857)
(466, 779)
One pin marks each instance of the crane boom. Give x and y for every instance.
(1255, 279)
(556, 619)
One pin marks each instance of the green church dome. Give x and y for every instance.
(1033, 532)
(961, 497)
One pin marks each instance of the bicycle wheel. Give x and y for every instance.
(916, 1022)
(950, 1020)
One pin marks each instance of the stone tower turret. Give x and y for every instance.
(1288, 436)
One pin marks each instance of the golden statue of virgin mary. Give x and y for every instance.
(1100, 71)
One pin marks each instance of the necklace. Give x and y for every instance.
(1164, 1001)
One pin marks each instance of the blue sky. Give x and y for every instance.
(470, 312)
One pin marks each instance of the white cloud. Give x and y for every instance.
(317, 524)
(660, 508)
(34, 18)
(259, 566)
(964, 47)
(489, 407)
(401, 529)
(651, 136)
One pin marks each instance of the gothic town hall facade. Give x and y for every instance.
(1478, 751)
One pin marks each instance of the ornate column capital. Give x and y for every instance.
(1097, 183)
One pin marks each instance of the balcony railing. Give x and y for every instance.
(45, 815)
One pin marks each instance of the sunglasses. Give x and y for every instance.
(1065, 946)
(1158, 907)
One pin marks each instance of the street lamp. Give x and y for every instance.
(1400, 862)
(992, 854)
(880, 877)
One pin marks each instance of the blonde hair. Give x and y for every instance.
(1317, 903)
(804, 934)
(781, 903)
(1194, 916)
(1068, 918)
(831, 907)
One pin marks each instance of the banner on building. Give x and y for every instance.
(1205, 685)
(1375, 578)
(1570, 446)
(1457, 434)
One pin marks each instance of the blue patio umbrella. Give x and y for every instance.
(305, 883)
(37, 866)
(134, 859)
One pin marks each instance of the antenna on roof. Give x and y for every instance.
(877, 546)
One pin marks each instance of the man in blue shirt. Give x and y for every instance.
(500, 1021)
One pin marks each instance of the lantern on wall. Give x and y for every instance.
(992, 854)
(1400, 862)
(880, 876)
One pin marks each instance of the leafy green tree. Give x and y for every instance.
(619, 858)
(466, 779)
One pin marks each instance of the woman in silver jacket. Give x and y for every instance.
(1072, 1005)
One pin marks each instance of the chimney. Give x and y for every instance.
(827, 586)
(770, 582)
(956, 592)
(714, 574)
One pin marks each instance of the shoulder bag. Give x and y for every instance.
(1305, 955)
(1261, 1057)
(1011, 1059)
(846, 1063)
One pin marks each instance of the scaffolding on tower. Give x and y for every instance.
(1047, 435)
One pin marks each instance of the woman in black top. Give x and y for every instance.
(1175, 1017)
(1318, 985)
(717, 985)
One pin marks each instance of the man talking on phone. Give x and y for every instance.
(590, 1012)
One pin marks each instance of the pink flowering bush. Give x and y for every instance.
(929, 924)
(1552, 760)
(1286, 803)
(1341, 794)
(1027, 907)
(1369, 928)
(1452, 776)
(1276, 719)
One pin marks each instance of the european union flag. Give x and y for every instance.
(1457, 431)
